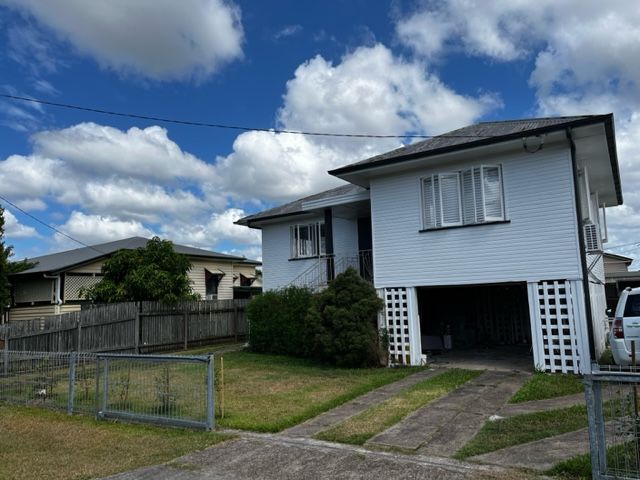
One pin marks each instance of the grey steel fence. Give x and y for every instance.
(613, 407)
(175, 390)
(167, 389)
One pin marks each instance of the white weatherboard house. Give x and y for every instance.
(491, 233)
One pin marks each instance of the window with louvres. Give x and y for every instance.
(466, 197)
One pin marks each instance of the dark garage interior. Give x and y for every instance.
(475, 317)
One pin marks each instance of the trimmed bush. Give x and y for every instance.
(276, 320)
(342, 322)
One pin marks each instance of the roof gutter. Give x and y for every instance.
(582, 246)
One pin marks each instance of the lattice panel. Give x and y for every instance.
(557, 323)
(397, 324)
(73, 284)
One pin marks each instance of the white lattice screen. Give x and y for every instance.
(558, 336)
(397, 324)
(73, 284)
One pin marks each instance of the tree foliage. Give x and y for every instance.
(343, 322)
(153, 272)
(5, 253)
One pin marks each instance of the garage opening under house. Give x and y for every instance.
(493, 232)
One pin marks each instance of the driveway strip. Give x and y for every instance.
(336, 415)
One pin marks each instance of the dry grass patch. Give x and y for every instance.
(41, 444)
(360, 428)
(269, 393)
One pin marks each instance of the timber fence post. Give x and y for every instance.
(6, 350)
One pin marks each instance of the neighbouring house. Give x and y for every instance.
(491, 233)
(53, 284)
(618, 277)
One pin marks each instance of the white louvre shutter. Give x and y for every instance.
(428, 203)
(468, 198)
(477, 185)
(492, 185)
(450, 199)
(293, 242)
(436, 195)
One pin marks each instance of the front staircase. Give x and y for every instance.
(317, 276)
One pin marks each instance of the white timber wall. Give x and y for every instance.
(277, 270)
(345, 236)
(539, 243)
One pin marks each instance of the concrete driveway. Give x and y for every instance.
(256, 456)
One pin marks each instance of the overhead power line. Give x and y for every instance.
(220, 125)
(48, 225)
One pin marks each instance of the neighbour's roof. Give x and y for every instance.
(295, 207)
(482, 133)
(618, 257)
(58, 262)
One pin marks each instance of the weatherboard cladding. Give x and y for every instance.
(278, 269)
(540, 242)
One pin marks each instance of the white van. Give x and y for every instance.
(626, 327)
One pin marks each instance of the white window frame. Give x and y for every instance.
(438, 220)
(316, 244)
(484, 199)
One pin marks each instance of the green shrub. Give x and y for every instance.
(276, 320)
(342, 322)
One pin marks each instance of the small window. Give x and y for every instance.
(467, 197)
(632, 307)
(307, 240)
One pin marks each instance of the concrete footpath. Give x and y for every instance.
(272, 457)
(443, 426)
(336, 415)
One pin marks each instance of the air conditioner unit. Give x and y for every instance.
(211, 296)
(592, 239)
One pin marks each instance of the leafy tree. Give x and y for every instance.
(5, 253)
(7, 267)
(153, 272)
(342, 322)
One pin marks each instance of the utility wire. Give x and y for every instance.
(220, 125)
(48, 225)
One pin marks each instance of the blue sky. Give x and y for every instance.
(384, 67)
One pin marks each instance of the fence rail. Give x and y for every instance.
(130, 327)
(175, 390)
(613, 410)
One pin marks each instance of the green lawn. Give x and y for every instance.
(38, 443)
(269, 393)
(577, 468)
(359, 428)
(523, 429)
(548, 385)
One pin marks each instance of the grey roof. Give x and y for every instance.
(295, 207)
(59, 262)
(483, 133)
(467, 137)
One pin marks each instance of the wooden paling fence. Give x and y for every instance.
(139, 327)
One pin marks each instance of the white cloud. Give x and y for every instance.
(102, 150)
(14, 229)
(158, 39)
(219, 227)
(93, 229)
(287, 31)
(369, 91)
(583, 54)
